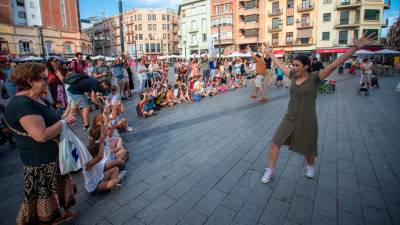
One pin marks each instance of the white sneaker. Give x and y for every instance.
(310, 171)
(267, 175)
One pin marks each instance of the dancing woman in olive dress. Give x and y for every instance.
(299, 128)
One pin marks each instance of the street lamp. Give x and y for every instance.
(40, 29)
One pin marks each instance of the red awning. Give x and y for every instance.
(281, 51)
(331, 50)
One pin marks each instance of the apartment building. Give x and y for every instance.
(292, 27)
(222, 26)
(25, 23)
(146, 32)
(339, 21)
(393, 36)
(195, 27)
(250, 23)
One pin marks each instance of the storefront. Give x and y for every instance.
(330, 54)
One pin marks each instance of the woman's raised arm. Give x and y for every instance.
(358, 44)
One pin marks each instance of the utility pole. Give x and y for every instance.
(121, 27)
(40, 29)
(184, 42)
(219, 40)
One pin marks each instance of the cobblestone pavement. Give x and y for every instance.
(201, 164)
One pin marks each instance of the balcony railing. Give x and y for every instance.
(275, 12)
(348, 4)
(193, 29)
(275, 28)
(305, 25)
(305, 7)
(348, 24)
(304, 41)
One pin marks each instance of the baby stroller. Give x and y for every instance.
(374, 81)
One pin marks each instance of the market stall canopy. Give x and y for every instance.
(27, 58)
(58, 58)
(387, 51)
(363, 52)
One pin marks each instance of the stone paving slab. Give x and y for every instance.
(201, 164)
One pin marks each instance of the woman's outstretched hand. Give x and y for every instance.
(267, 49)
(364, 40)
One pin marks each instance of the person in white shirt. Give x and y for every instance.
(142, 74)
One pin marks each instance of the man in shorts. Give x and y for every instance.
(76, 87)
(268, 67)
(260, 77)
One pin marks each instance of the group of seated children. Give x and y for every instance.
(103, 172)
(161, 94)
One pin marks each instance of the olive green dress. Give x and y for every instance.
(299, 128)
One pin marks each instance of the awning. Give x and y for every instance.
(304, 33)
(279, 52)
(331, 50)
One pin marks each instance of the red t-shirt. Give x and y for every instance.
(52, 78)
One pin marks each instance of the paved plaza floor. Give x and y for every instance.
(201, 164)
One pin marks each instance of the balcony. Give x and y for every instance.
(305, 7)
(304, 41)
(193, 43)
(193, 29)
(385, 24)
(272, 29)
(386, 4)
(275, 12)
(348, 24)
(347, 4)
(305, 25)
(224, 41)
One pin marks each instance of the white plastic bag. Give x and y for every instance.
(73, 154)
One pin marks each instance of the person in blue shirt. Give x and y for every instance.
(119, 74)
(10, 86)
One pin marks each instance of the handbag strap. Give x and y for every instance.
(21, 133)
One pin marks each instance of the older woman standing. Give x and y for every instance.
(299, 128)
(37, 127)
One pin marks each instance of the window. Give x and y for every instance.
(147, 48)
(325, 36)
(306, 4)
(167, 26)
(148, 17)
(140, 36)
(21, 14)
(289, 20)
(371, 14)
(135, 27)
(326, 17)
(226, 8)
(63, 13)
(164, 36)
(250, 4)
(158, 49)
(344, 17)
(139, 26)
(218, 9)
(251, 33)
(193, 25)
(139, 17)
(289, 38)
(290, 4)
(68, 49)
(304, 40)
(276, 22)
(251, 18)
(164, 17)
(24, 46)
(154, 26)
(149, 27)
(135, 17)
(275, 7)
(152, 47)
(167, 17)
(20, 3)
(305, 19)
(327, 1)
(204, 25)
(204, 37)
(164, 26)
(355, 33)
(275, 39)
(154, 17)
(32, 4)
(33, 16)
(370, 31)
(343, 37)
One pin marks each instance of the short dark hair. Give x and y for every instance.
(94, 148)
(78, 53)
(305, 60)
(314, 58)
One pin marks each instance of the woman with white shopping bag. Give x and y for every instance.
(37, 128)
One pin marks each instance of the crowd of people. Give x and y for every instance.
(46, 96)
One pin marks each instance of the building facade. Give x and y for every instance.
(222, 26)
(339, 21)
(393, 36)
(146, 32)
(26, 30)
(292, 27)
(250, 23)
(195, 27)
